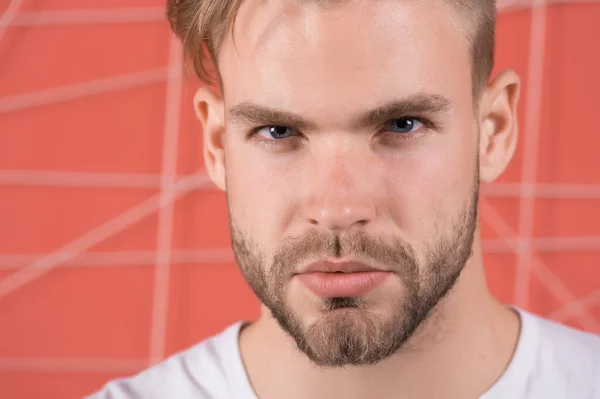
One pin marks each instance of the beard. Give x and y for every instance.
(347, 331)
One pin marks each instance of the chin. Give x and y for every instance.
(344, 332)
(348, 337)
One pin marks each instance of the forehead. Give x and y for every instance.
(302, 54)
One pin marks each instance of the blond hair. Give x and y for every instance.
(203, 24)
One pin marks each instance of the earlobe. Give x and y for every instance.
(210, 112)
(498, 125)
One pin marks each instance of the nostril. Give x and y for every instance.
(334, 215)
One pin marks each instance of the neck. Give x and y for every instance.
(463, 347)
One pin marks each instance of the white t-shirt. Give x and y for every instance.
(551, 361)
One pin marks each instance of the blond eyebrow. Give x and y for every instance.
(249, 113)
(413, 106)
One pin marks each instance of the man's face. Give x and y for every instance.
(351, 146)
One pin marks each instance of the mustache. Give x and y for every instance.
(395, 253)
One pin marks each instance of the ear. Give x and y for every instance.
(498, 124)
(210, 111)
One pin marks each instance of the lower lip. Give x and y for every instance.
(337, 285)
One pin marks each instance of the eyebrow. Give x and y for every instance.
(413, 106)
(247, 113)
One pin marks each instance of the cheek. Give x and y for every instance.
(435, 185)
(259, 193)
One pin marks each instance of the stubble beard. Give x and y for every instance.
(347, 332)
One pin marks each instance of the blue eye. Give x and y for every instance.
(404, 125)
(275, 132)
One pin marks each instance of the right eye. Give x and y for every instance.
(275, 132)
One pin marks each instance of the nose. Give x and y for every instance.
(338, 214)
(339, 198)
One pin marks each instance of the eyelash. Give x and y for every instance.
(270, 143)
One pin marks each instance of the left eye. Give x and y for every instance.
(404, 125)
(275, 132)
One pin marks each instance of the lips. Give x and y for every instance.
(341, 279)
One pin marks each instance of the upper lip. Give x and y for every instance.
(349, 266)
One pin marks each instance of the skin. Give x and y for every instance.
(342, 174)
